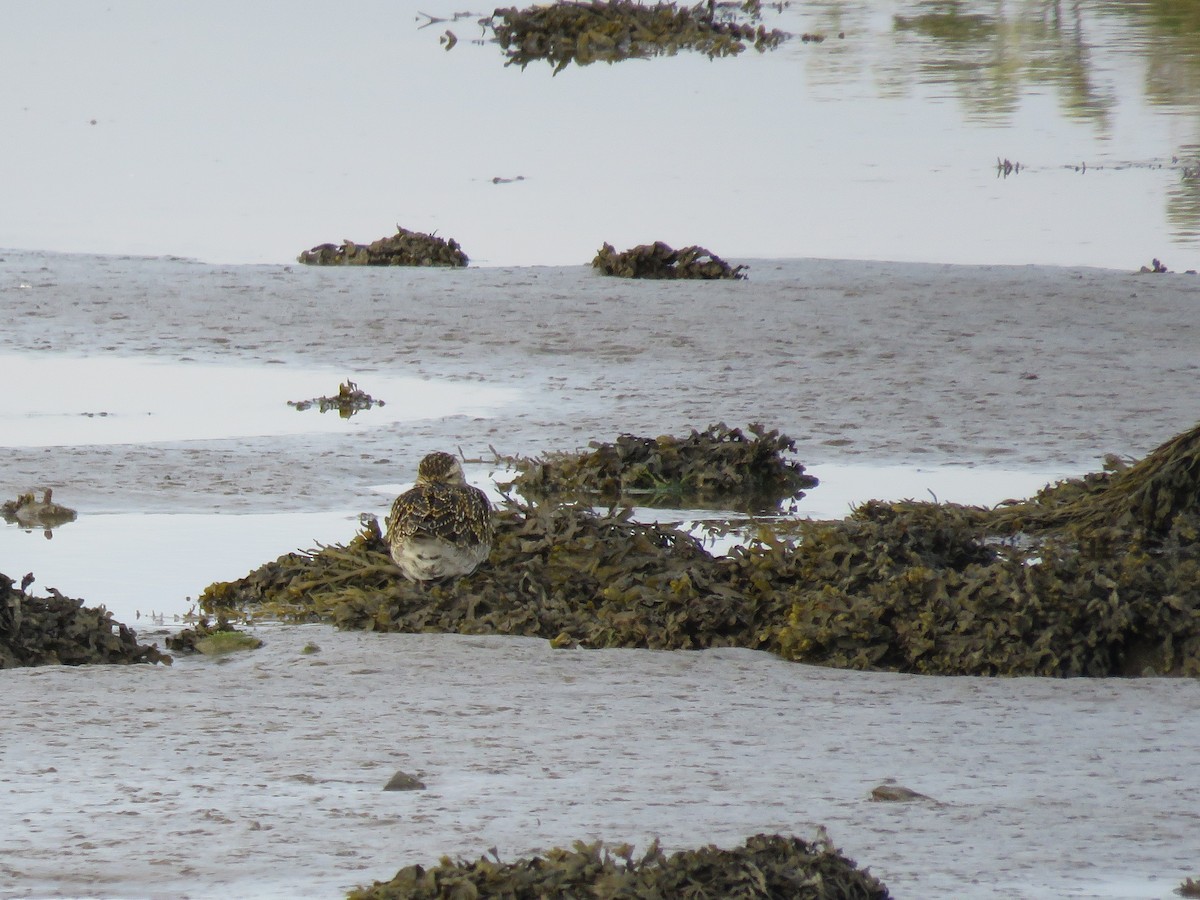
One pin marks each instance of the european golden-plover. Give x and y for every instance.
(442, 527)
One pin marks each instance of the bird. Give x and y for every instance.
(442, 527)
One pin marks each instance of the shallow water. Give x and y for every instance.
(115, 400)
(881, 144)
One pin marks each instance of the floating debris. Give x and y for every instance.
(402, 781)
(720, 466)
(766, 866)
(1097, 576)
(897, 793)
(29, 512)
(60, 631)
(348, 401)
(405, 248)
(659, 260)
(613, 30)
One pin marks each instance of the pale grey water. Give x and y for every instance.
(238, 133)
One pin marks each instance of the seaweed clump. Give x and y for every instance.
(212, 639)
(1096, 577)
(349, 400)
(404, 248)
(614, 30)
(59, 630)
(767, 866)
(560, 572)
(659, 260)
(29, 512)
(717, 466)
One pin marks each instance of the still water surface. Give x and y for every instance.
(242, 133)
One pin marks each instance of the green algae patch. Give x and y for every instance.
(225, 642)
(659, 260)
(212, 638)
(717, 467)
(614, 30)
(60, 630)
(404, 248)
(766, 866)
(1097, 576)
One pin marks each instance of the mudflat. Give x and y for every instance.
(261, 774)
(873, 361)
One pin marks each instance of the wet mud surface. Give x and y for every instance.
(888, 362)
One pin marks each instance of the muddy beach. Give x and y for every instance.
(262, 775)
(1021, 367)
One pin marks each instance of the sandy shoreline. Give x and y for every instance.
(261, 775)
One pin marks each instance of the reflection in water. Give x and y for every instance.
(992, 54)
(812, 150)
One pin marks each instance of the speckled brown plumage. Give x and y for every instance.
(442, 527)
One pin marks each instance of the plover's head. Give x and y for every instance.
(440, 468)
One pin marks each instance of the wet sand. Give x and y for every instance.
(261, 775)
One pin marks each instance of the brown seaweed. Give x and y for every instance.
(614, 30)
(29, 512)
(764, 868)
(1096, 577)
(659, 260)
(349, 399)
(59, 630)
(404, 248)
(717, 467)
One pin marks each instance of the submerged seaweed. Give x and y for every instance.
(659, 260)
(1095, 577)
(404, 248)
(59, 630)
(766, 867)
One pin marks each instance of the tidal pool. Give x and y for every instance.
(52, 400)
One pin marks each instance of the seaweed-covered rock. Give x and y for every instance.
(659, 260)
(766, 867)
(1146, 497)
(613, 30)
(349, 399)
(717, 466)
(405, 248)
(1097, 578)
(933, 588)
(58, 630)
(556, 571)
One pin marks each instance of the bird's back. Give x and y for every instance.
(440, 530)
